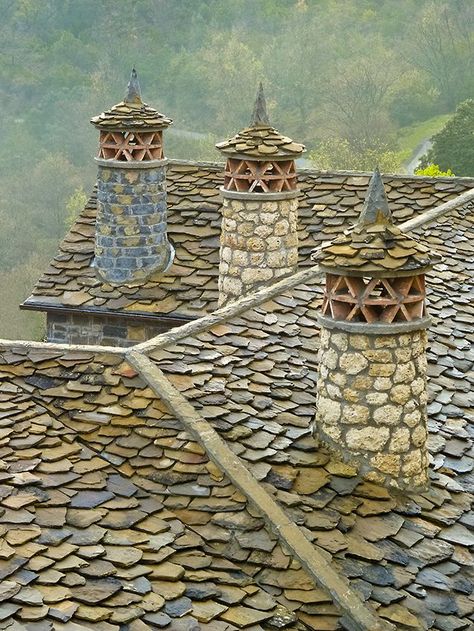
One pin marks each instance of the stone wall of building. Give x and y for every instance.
(101, 330)
(259, 244)
(131, 235)
(371, 404)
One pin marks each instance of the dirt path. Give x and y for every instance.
(422, 148)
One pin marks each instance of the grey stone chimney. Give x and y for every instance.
(131, 240)
(259, 240)
(371, 393)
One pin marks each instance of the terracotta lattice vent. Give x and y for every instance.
(131, 146)
(359, 299)
(260, 177)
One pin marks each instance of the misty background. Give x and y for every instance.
(357, 81)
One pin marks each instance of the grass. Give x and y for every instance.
(409, 138)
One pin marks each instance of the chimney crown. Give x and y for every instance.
(131, 113)
(375, 246)
(261, 141)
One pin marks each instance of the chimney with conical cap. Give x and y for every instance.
(131, 240)
(259, 241)
(371, 394)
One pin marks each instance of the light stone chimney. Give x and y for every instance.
(371, 393)
(131, 240)
(259, 240)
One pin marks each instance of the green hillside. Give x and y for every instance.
(374, 76)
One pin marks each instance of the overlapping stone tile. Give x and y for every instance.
(158, 535)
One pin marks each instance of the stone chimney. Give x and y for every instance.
(259, 241)
(371, 396)
(131, 240)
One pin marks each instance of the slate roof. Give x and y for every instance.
(85, 539)
(84, 422)
(262, 142)
(254, 379)
(328, 202)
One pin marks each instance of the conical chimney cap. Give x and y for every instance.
(375, 208)
(261, 141)
(132, 112)
(375, 246)
(259, 115)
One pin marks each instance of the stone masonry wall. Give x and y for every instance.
(259, 244)
(103, 330)
(131, 234)
(371, 404)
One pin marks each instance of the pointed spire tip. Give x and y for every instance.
(259, 115)
(376, 209)
(133, 95)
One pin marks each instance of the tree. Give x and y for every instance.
(338, 153)
(433, 170)
(442, 44)
(453, 146)
(15, 286)
(359, 93)
(74, 206)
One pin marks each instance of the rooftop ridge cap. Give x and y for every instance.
(194, 163)
(289, 534)
(229, 311)
(322, 172)
(55, 347)
(396, 176)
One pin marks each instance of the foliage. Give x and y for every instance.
(338, 153)
(433, 170)
(453, 146)
(342, 77)
(74, 206)
(15, 287)
(441, 44)
(192, 146)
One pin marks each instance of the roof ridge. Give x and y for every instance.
(262, 295)
(312, 560)
(229, 311)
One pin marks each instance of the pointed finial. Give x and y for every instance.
(133, 95)
(375, 208)
(259, 116)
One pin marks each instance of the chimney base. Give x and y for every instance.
(371, 402)
(131, 240)
(259, 242)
